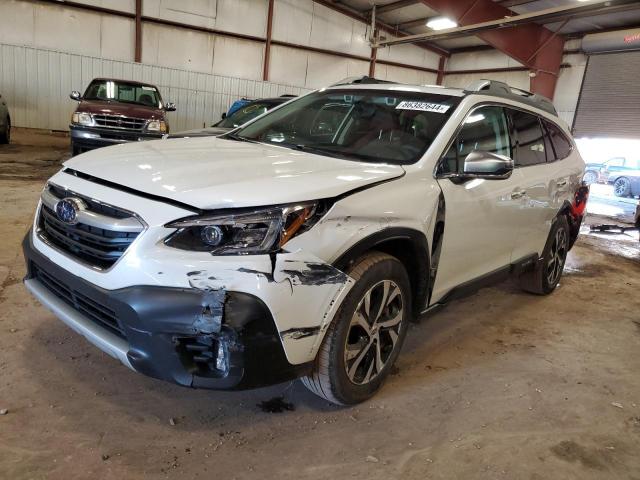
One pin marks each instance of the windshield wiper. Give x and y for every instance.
(238, 138)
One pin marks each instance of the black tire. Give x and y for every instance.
(5, 137)
(622, 187)
(75, 150)
(542, 280)
(330, 379)
(590, 177)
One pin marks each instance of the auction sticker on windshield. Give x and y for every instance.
(423, 107)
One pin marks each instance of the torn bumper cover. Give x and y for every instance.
(194, 337)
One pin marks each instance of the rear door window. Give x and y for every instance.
(561, 144)
(485, 129)
(531, 144)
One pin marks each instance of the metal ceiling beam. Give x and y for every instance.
(537, 48)
(515, 3)
(381, 9)
(501, 17)
(382, 26)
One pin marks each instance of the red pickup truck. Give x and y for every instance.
(116, 111)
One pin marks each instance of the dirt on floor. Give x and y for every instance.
(33, 154)
(500, 385)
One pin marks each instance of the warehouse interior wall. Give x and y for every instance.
(63, 48)
(301, 22)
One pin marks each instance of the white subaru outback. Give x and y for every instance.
(304, 242)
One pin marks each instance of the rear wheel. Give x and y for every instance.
(545, 277)
(622, 187)
(5, 136)
(366, 335)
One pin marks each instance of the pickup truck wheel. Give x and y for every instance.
(5, 137)
(545, 277)
(622, 187)
(367, 333)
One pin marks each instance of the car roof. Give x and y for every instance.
(401, 87)
(482, 87)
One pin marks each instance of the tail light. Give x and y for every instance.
(579, 203)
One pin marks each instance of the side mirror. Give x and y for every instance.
(224, 115)
(75, 95)
(481, 164)
(170, 107)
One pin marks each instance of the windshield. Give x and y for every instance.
(123, 92)
(244, 114)
(377, 126)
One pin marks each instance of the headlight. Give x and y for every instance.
(244, 233)
(157, 126)
(82, 119)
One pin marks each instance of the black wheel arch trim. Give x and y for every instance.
(416, 259)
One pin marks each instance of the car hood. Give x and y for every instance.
(211, 172)
(202, 132)
(116, 108)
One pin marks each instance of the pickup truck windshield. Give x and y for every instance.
(123, 92)
(383, 126)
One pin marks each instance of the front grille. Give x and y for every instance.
(93, 310)
(116, 121)
(94, 244)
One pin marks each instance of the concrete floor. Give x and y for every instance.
(499, 385)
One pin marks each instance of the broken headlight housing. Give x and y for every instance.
(244, 232)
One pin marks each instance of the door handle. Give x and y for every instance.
(562, 183)
(518, 194)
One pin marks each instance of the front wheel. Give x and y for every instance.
(543, 279)
(366, 335)
(622, 187)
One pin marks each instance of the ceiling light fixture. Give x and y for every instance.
(441, 23)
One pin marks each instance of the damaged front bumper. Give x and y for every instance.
(195, 337)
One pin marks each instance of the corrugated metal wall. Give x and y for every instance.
(36, 84)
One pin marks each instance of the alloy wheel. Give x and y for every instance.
(558, 255)
(374, 331)
(621, 187)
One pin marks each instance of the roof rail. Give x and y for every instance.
(364, 79)
(502, 90)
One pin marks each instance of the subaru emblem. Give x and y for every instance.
(68, 208)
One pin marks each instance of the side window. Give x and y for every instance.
(615, 162)
(530, 149)
(561, 144)
(485, 129)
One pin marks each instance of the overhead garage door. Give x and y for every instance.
(609, 104)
